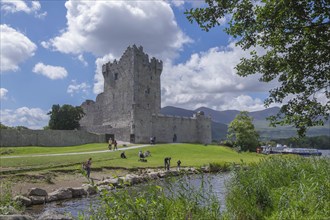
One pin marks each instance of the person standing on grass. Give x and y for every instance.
(114, 142)
(110, 144)
(179, 164)
(88, 166)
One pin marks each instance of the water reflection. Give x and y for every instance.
(212, 184)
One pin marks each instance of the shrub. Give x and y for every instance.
(7, 204)
(219, 167)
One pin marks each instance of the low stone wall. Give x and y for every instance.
(12, 138)
(38, 196)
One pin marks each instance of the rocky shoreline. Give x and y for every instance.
(39, 196)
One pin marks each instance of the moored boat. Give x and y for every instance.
(302, 151)
(279, 149)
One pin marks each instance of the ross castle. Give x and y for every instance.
(129, 107)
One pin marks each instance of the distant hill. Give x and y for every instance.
(170, 110)
(221, 120)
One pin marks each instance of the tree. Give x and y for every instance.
(2, 126)
(296, 38)
(19, 127)
(242, 133)
(66, 117)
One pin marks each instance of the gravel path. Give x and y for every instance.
(89, 152)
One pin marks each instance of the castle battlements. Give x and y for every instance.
(130, 104)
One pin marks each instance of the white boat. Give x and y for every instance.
(302, 151)
(279, 149)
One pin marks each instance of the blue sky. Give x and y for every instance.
(52, 52)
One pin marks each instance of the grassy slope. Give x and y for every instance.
(26, 150)
(189, 154)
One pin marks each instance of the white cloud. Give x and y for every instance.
(52, 72)
(78, 88)
(34, 118)
(209, 79)
(82, 60)
(45, 44)
(3, 94)
(177, 3)
(242, 103)
(10, 6)
(15, 48)
(103, 27)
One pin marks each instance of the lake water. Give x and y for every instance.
(215, 181)
(75, 206)
(325, 153)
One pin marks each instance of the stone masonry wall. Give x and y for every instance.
(11, 138)
(188, 130)
(122, 134)
(130, 104)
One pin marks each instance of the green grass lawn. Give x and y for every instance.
(28, 150)
(190, 155)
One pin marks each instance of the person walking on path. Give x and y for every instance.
(88, 167)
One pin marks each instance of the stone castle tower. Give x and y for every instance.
(129, 107)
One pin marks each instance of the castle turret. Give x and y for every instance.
(130, 104)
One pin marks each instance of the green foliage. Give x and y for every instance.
(4, 151)
(65, 117)
(227, 143)
(219, 167)
(281, 188)
(158, 202)
(7, 204)
(242, 133)
(295, 36)
(21, 128)
(319, 142)
(2, 126)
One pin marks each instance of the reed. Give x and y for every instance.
(173, 200)
(281, 188)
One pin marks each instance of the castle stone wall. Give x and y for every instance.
(12, 138)
(132, 95)
(122, 134)
(188, 130)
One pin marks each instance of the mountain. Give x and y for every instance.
(170, 110)
(221, 120)
(228, 116)
(263, 114)
(224, 117)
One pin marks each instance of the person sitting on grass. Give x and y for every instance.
(141, 156)
(122, 155)
(147, 154)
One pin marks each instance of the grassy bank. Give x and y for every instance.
(190, 155)
(281, 187)
(278, 187)
(264, 187)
